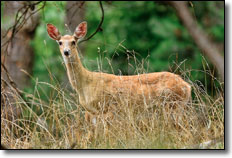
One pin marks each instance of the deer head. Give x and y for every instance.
(67, 43)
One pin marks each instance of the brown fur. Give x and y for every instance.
(102, 93)
(94, 88)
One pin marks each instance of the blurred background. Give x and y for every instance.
(135, 37)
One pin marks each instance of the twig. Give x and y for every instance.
(18, 25)
(99, 26)
(12, 84)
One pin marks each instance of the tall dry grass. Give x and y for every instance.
(59, 122)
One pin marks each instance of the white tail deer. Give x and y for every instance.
(99, 92)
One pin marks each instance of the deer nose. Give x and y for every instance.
(67, 52)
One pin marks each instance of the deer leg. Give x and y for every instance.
(91, 121)
(108, 117)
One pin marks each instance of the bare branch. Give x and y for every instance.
(12, 83)
(99, 26)
(21, 20)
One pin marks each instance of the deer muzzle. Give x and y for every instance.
(67, 52)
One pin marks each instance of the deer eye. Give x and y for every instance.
(73, 43)
(60, 43)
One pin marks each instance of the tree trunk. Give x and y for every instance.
(75, 14)
(199, 36)
(17, 55)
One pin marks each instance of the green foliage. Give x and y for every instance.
(149, 30)
(2, 5)
(152, 30)
(48, 62)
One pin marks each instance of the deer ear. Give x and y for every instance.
(81, 30)
(53, 32)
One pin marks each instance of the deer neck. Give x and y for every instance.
(76, 72)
